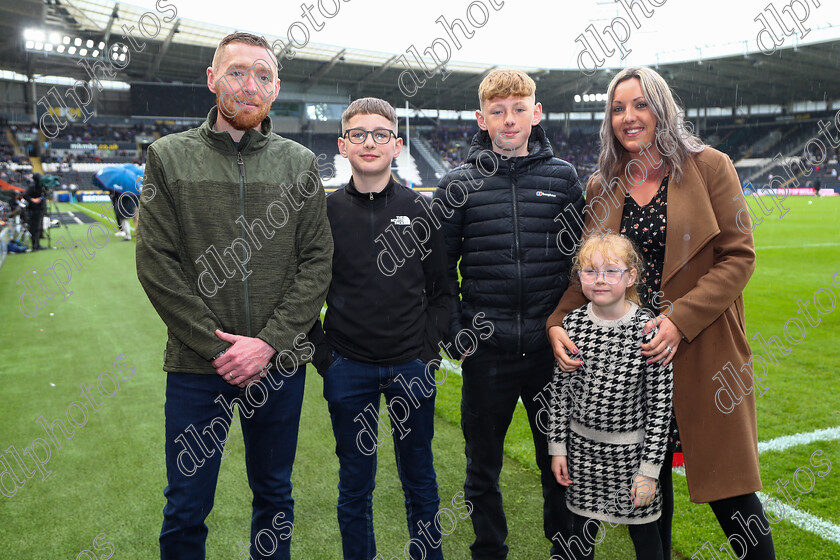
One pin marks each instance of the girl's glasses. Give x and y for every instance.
(611, 276)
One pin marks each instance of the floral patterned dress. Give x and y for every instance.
(646, 226)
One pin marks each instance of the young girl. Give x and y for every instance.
(609, 419)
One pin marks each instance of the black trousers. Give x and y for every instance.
(741, 518)
(493, 382)
(36, 220)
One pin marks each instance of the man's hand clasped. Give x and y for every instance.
(246, 360)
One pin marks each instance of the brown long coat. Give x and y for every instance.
(708, 261)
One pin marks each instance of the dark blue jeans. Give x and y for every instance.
(199, 410)
(494, 380)
(353, 391)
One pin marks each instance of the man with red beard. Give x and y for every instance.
(235, 254)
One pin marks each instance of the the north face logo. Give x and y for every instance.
(401, 221)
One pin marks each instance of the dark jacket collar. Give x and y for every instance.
(252, 141)
(387, 191)
(481, 147)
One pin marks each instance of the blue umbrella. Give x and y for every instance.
(134, 168)
(119, 179)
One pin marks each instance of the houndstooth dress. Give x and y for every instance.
(610, 417)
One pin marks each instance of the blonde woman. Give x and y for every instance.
(677, 200)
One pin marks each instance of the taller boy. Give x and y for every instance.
(504, 229)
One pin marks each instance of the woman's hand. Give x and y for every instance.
(664, 344)
(560, 468)
(560, 344)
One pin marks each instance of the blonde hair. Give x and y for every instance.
(369, 106)
(613, 247)
(675, 138)
(505, 82)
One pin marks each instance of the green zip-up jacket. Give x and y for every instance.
(234, 238)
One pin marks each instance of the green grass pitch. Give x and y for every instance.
(108, 480)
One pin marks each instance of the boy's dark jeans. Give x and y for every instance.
(493, 382)
(354, 392)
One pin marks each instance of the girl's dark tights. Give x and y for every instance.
(645, 538)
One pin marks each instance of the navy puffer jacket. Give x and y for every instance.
(507, 219)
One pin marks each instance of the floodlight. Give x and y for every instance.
(60, 48)
(89, 44)
(71, 50)
(77, 42)
(39, 45)
(48, 47)
(82, 52)
(586, 98)
(95, 53)
(30, 45)
(101, 45)
(34, 35)
(577, 98)
(66, 40)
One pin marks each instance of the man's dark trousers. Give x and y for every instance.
(201, 405)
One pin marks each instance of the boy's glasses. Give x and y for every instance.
(611, 276)
(379, 135)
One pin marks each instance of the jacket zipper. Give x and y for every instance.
(373, 225)
(517, 257)
(241, 165)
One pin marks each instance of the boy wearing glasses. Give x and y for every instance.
(387, 309)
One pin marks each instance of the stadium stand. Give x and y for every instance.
(751, 145)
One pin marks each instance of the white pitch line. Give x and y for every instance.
(88, 211)
(797, 246)
(784, 442)
(103, 216)
(804, 520)
(72, 215)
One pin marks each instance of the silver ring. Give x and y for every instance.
(669, 349)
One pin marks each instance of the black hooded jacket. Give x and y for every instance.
(36, 190)
(506, 219)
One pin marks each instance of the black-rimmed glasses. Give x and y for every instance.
(379, 135)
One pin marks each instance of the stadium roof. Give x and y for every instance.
(180, 50)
